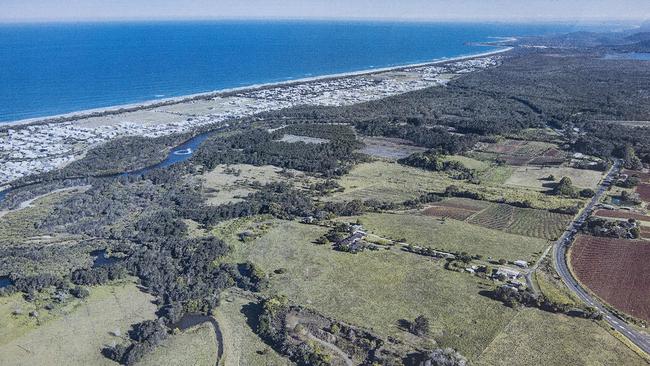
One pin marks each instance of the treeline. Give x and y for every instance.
(331, 132)
(531, 89)
(429, 160)
(436, 138)
(513, 297)
(143, 337)
(259, 147)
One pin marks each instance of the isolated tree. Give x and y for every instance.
(564, 188)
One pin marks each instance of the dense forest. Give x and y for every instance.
(260, 147)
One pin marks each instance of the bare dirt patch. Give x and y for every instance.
(389, 148)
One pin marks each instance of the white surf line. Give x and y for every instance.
(218, 92)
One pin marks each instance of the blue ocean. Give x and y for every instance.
(48, 69)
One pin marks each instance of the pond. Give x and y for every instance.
(5, 281)
(101, 259)
(639, 56)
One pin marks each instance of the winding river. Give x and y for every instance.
(176, 155)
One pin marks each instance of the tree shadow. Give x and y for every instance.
(251, 312)
(404, 325)
(549, 185)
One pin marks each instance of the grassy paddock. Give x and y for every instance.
(396, 183)
(75, 336)
(376, 289)
(453, 235)
(195, 347)
(18, 225)
(540, 338)
(389, 182)
(535, 177)
(228, 183)
(241, 345)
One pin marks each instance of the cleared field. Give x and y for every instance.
(396, 183)
(643, 190)
(617, 270)
(228, 183)
(389, 182)
(540, 338)
(452, 235)
(76, 336)
(449, 212)
(306, 139)
(17, 225)
(195, 347)
(496, 175)
(389, 148)
(464, 203)
(535, 177)
(518, 152)
(376, 289)
(456, 208)
(522, 221)
(619, 214)
(469, 162)
(242, 347)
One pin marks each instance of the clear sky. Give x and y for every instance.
(504, 10)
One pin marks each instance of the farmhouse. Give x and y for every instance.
(521, 263)
(353, 243)
(508, 273)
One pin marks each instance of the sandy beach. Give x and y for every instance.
(224, 92)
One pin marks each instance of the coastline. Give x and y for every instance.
(132, 107)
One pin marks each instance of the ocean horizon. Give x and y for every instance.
(57, 68)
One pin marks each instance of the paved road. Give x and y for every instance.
(559, 252)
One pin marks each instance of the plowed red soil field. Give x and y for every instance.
(645, 232)
(643, 190)
(618, 214)
(617, 270)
